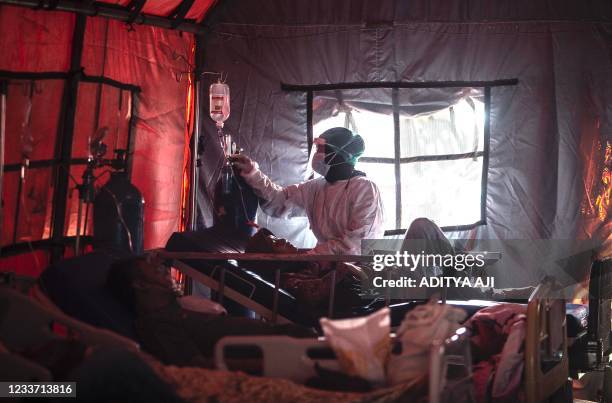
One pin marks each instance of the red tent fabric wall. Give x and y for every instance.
(154, 59)
(31, 41)
(35, 41)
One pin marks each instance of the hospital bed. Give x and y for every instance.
(216, 259)
(449, 377)
(81, 294)
(552, 355)
(40, 324)
(213, 257)
(546, 361)
(26, 324)
(588, 330)
(297, 360)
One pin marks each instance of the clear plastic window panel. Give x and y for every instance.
(384, 177)
(367, 112)
(447, 192)
(454, 129)
(377, 132)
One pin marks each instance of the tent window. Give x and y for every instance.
(426, 148)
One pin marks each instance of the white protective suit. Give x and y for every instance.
(341, 214)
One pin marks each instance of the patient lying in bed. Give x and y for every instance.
(309, 282)
(171, 333)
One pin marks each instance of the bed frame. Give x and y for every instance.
(295, 359)
(178, 261)
(26, 323)
(546, 359)
(545, 369)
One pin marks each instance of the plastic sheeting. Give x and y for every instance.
(541, 129)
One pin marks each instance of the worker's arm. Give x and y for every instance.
(366, 222)
(279, 201)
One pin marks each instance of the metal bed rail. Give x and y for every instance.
(176, 259)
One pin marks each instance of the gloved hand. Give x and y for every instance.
(243, 163)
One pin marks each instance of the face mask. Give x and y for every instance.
(318, 158)
(319, 165)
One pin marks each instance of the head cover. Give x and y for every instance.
(343, 145)
(335, 153)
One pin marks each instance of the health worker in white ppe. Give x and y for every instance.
(343, 205)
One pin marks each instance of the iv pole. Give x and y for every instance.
(195, 161)
(196, 149)
(86, 196)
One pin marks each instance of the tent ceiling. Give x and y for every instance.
(388, 13)
(183, 15)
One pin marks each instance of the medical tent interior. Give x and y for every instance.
(123, 178)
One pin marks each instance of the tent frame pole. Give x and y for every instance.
(65, 138)
(196, 146)
(3, 95)
(195, 160)
(123, 14)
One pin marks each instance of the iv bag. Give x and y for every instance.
(219, 102)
